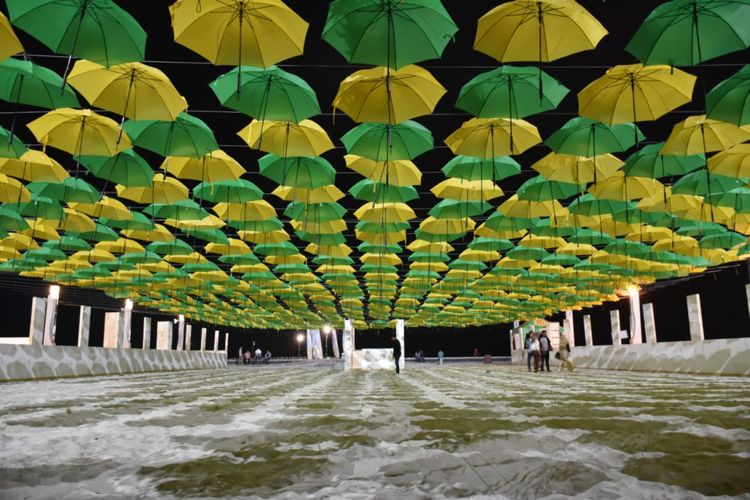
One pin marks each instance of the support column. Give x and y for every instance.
(112, 329)
(314, 345)
(649, 323)
(347, 342)
(188, 337)
(84, 324)
(401, 338)
(569, 329)
(587, 332)
(126, 321)
(146, 333)
(635, 315)
(164, 335)
(204, 330)
(181, 332)
(50, 315)
(335, 344)
(695, 317)
(747, 293)
(614, 321)
(226, 342)
(216, 340)
(36, 327)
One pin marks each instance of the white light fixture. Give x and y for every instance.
(300, 338)
(326, 329)
(128, 305)
(54, 292)
(181, 318)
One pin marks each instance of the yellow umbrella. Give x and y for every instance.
(305, 138)
(163, 190)
(634, 92)
(480, 255)
(215, 166)
(734, 162)
(537, 30)
(257, 210)
(620, 187)
(385, 212)
(192, 258)
(384, 238)
(80, 132)
(447, 226)
(319, 227)
(701, 135)
(577, 169)
(430, 247)
(393, 172)
(243, 33)
(437, 267)
(19, 241)
(41, 229)
(12, 191)
(121, 245)
(705, 212)
(208, 222)
(492, 137)
(110, 208)
(387, 258)
(9, 253)
(684, 245)
(323, 194)
(134, 90)
(234, 247)
(157, 233)
(578, 249)
(33, 166)
(463, 190)
(341, 250)
(532, 240)
(385, 95)
(76, 222)
(9, 43)
(276, 236)
(285, 259)
(647, 233)
(527, 209)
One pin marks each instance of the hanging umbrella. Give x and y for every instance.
(315, 212)
(11, 220)
(126, 167)
(390, 33)
(532, 30)
(391, 212)
(585, 137)
(9, 42)
(70, 189)
(305, 138)
(472, 168)
(184, 136)
(385, 142)
(257, 210)
(634, 92)
(729, 101)
(368, 190)
(133, 90)
(105, 208)
(33, 165)
(211, 167)
(704, 183)
(100, 233)
(180, 210)
(79, 132)
(698, 134)
(393, 172)
(577, 169)
(163, 189)
(456, 209)
(650, 162)
(490, 137)
(460, 189)
(540, 189)
(385, 95)
(245, 33)
(734, 162)
(324, 194)
(510, 92)
(267, 94)
(24, 82)
(689, 32)
(305, 172)
(10, 145)
(229, 191)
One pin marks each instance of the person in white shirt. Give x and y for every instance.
(535, 350)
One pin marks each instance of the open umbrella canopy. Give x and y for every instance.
(729, 101)
(79, 132)
(186, 135)
(24, 82)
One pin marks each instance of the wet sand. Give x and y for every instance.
(309, 432)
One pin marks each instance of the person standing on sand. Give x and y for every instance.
(396, 352)
(565, 361)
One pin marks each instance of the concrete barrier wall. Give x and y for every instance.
(19, 362)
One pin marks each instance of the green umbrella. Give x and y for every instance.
(315, 212)
(301, 172)
(92, 273)
(383, 142)
(689, 32)
(649, 162)
(266, 94)
(45, 253)
(545, 228)
(229, 191)
(699, 228)
(527, 253)
(369, 190)
(590, 237)
(185, 136)
(127, 168)
(10, 145)
(390, 33)
(736, 198)
(498, 221)
(68, 244)
(539, 188)
(97, 30)
(378, 248)
(729, 101)
(321, 239)
(588, 205)
(270, 224)
(456, 209)
(428, 257)
(629, 248)
(725, 240)
(586, 137)
(138, 222)
(389, 227)
(174, 247)
(212, 235)
(100, 233)
(241, 259)
(279, 249)
(10, 220)
(179, 210)
(140, 258)
(703, 183)
(472, 168)
(335, 261)
(558, 259)
(490, 244)
(511, 92)
(434, 237)
(69, 189)
(197, 267)
(39, 206)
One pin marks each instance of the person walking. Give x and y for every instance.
(545, 346)
(396, 352)
(565, 361)
(440, 357)
(535, 352)
(527, 346)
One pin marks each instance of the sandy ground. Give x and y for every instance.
(432, 432)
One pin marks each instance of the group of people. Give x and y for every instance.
(250, 357)
(538, 348)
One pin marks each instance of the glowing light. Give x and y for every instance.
(54, 292)
(128, 305)
(300, 338)
(326, 329)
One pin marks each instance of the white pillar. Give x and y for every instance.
(181, 333)
(146, 344)
(401, 338)
(36, 327)
(126, 318)
(635, 315)
(112, 329)
(695, 317)
(188, 336)
(84, 324)
(226, 342)
(50, 315)
(216, 340)
(747, 292)
(204, 331)
(569, 330)
(335, 343)
(164, 335)
(347, 342)
(614, 321)
(587, 332)
(649, 323)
